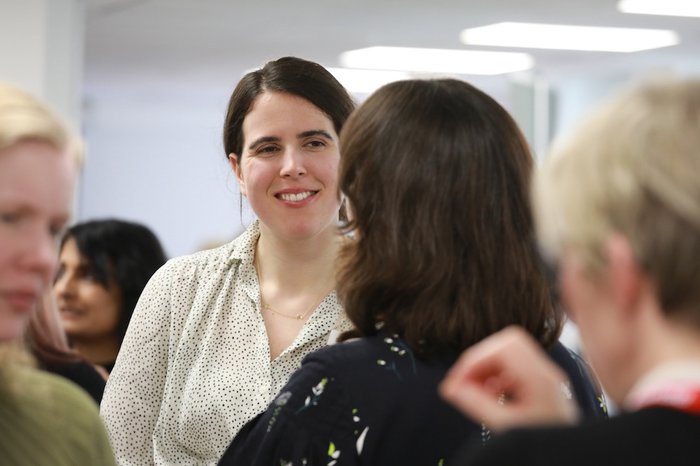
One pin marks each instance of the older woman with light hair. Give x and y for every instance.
(618, 208)
(43, 419)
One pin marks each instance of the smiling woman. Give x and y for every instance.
(218, 333)
(103, 267)
(289, 169)
(43, 419)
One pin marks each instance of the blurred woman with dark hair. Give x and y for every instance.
(440, 254)
(103, 267)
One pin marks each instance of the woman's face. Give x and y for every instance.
(88, 309)
(36, 189)
(289, 166)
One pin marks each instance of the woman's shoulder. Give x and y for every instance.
(215, 259)
(83, 374)
(349, 351)
(53, 402)
(371, 355)
(52, 392)
(201, 259)
(585, 387)
(54, 408)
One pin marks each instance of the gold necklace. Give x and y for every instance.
(266, 307)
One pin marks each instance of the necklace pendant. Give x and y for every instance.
(299, 316)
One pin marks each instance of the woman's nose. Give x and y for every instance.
(40, 256)
(62, 286)
(292, 163)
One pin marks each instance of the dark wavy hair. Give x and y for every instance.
(123, 253)
(443, 252)
(292, 75)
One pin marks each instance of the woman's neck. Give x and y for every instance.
(672, 353)
(303, 265)
(98, 351)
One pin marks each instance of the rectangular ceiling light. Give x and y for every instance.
(556, 36)
(438, 61)
(366, 81)
(662, 8)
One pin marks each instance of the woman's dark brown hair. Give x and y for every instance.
(118, 253)
(291, 75)
(437, 174)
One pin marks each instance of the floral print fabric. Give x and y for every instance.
(367, 401)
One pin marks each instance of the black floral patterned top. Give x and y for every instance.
(367, 401)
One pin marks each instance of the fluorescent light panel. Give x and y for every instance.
(439, 61)
(365, 81)
(556, 36)
(689, 8)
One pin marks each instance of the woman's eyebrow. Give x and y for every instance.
(315, 132)
(304, 134)
(262, 140)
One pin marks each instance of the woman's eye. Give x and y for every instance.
(316, 144)
(86, 274)
(266, 150)
(9, 217)
(56, 231)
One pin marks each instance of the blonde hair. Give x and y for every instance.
(632, 168)
(25, 118)
(44, 336)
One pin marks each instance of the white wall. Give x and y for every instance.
(157, 158)
(41, 50)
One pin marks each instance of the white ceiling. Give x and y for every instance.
(209, 44)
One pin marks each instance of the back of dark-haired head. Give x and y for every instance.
(292, 75)
(120, 253)
(437, 175)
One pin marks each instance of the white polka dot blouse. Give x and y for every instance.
(195, 364)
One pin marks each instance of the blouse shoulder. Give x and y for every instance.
(211, 262)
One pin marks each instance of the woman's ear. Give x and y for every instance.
(233, 160)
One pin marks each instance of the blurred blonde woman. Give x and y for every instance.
(44, 419)
(618, 209)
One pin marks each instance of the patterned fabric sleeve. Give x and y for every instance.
(583, 383)
(132, 399)
(309, 423)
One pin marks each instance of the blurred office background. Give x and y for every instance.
(147, 81)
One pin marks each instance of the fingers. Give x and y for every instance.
(507, 380)
(474, 400)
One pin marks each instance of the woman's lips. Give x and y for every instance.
(67, 313)
(21, 301)
(297, 197)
